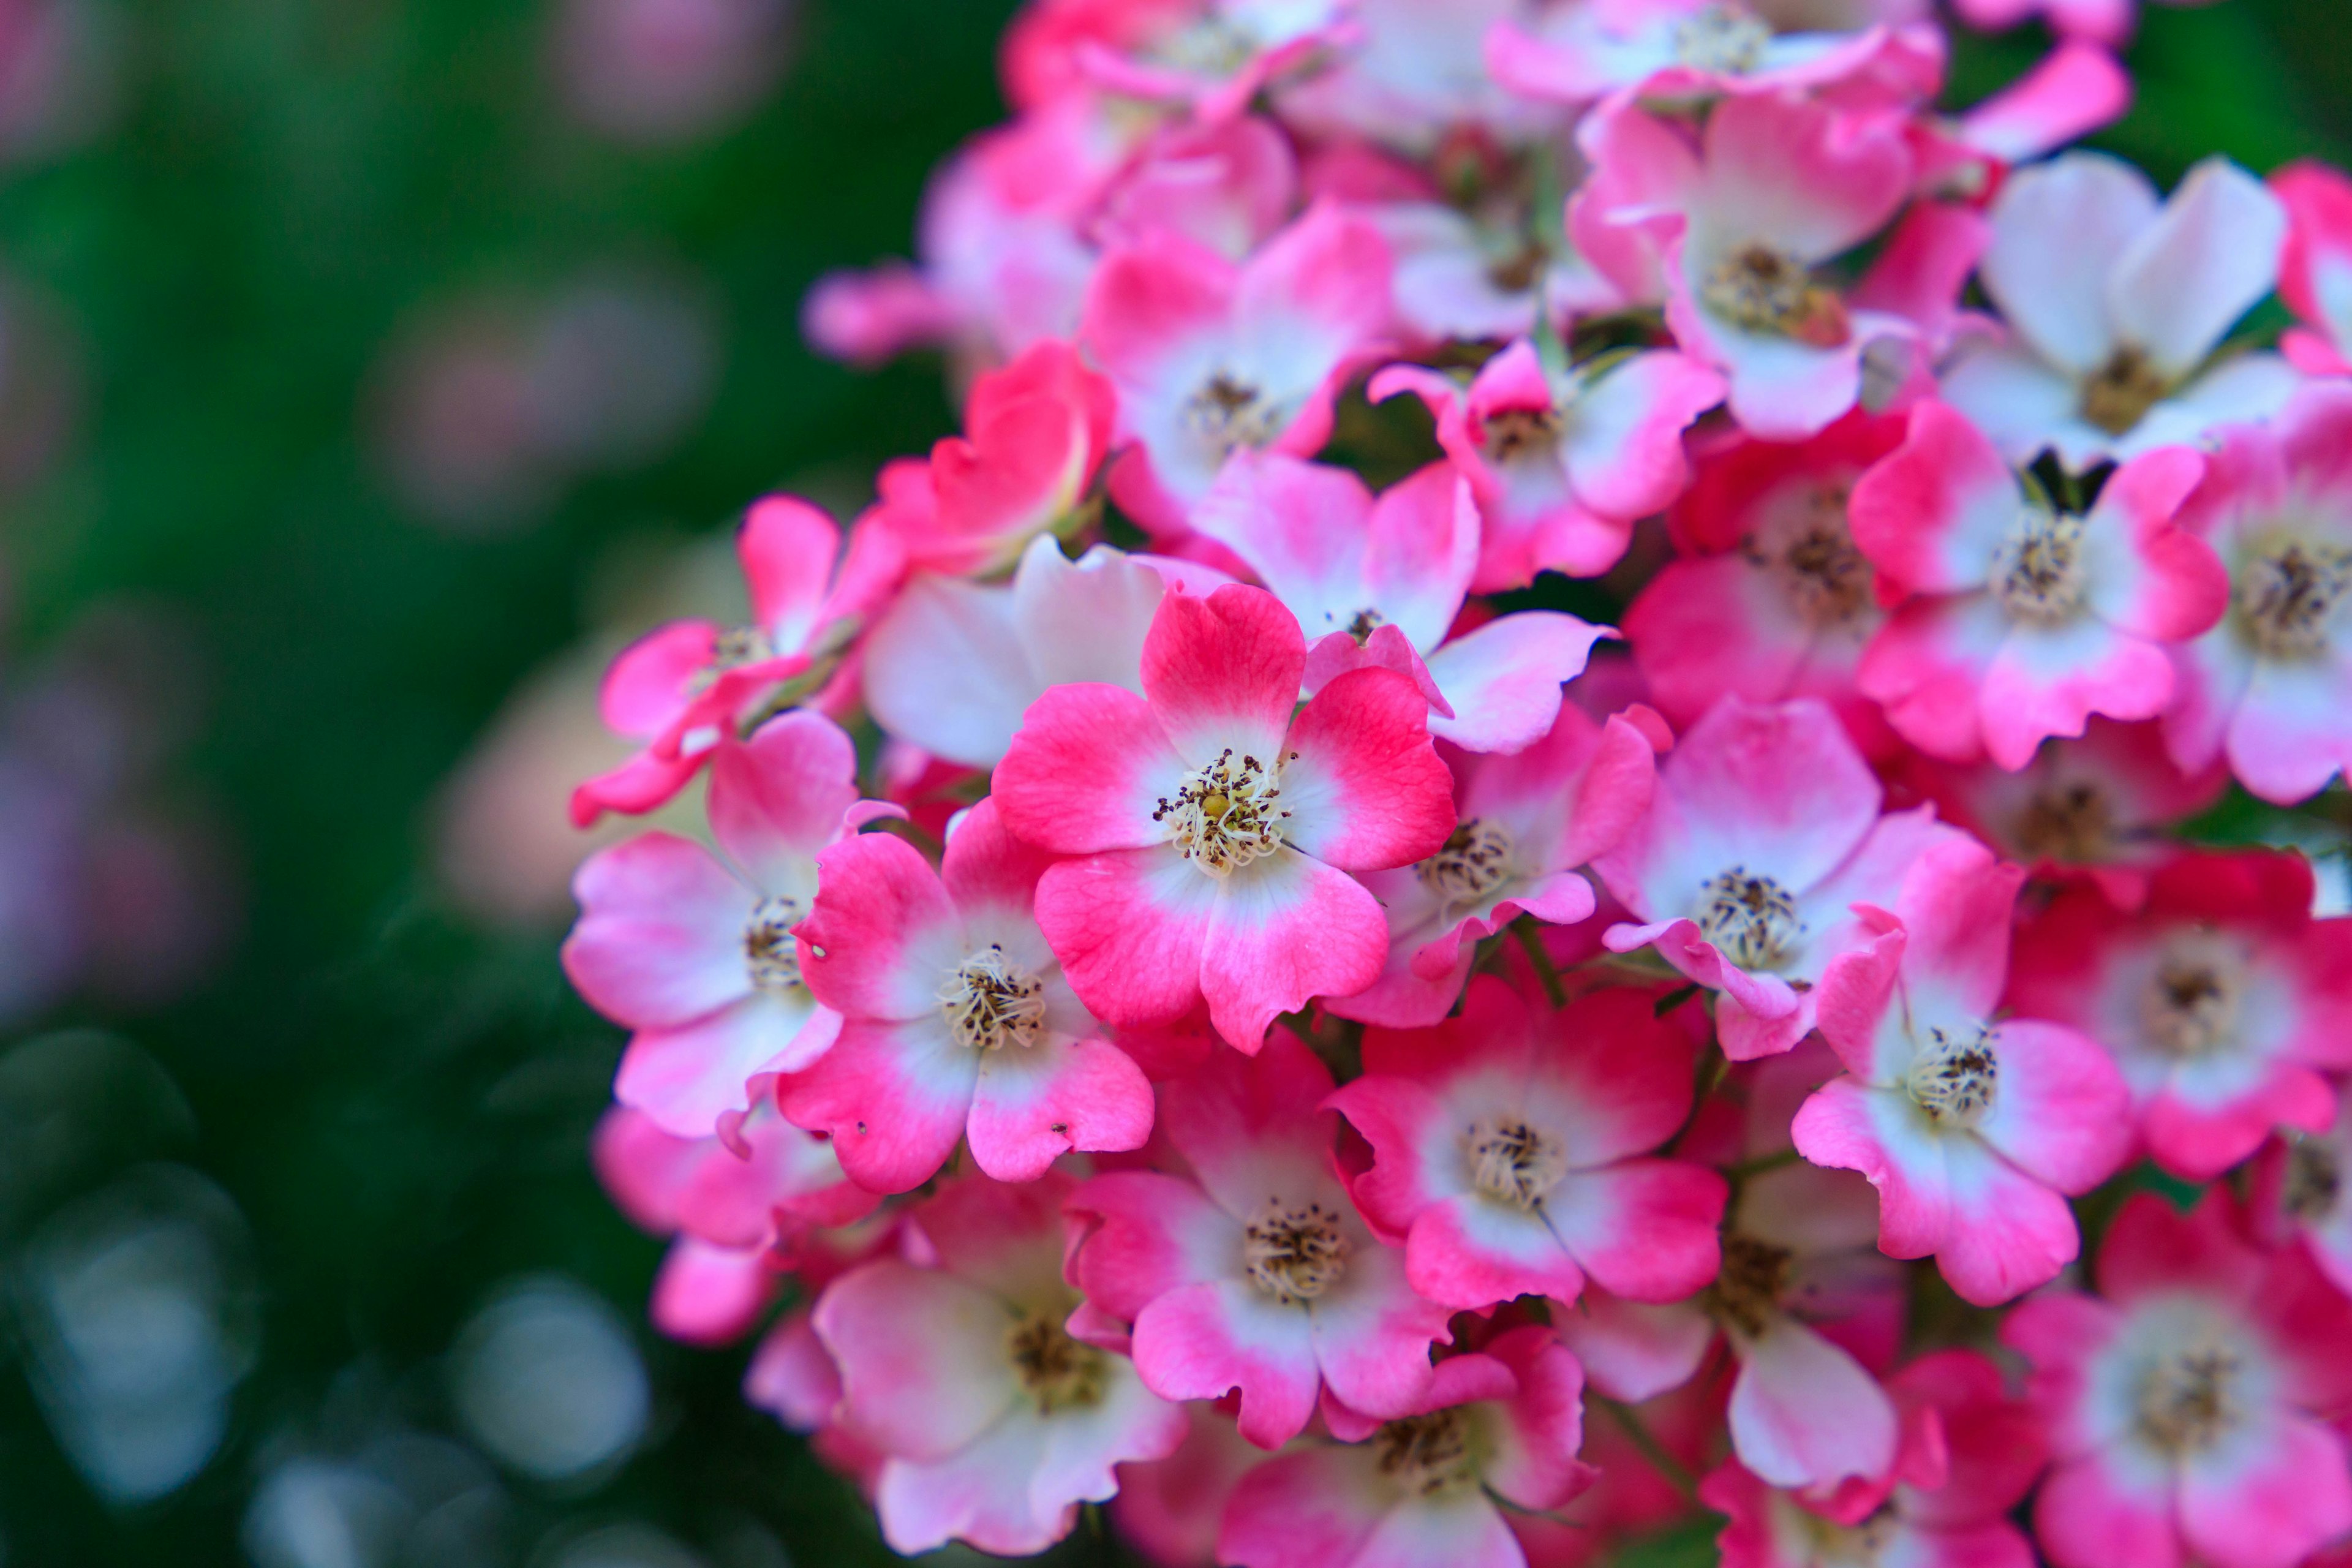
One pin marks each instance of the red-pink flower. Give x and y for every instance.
(994, 1423)
(2269, 686)
(2300, 1191)
(1764, 831)
(1563, 463)
(1973, 1128)
(1256, 1272)
(1512, 1151)
(694, 953)
(1499, 1428)
(1210, 357)
(683, 688)
(1674, 50)
(2315, 265)
(1971, 1452)
(956, 1019)
(1210, 832)
(2185, 1403)
(2025, 620)
(1768, 598)
(2222, 1001)
(1381, 583)
(1731, 227)
(1527, 821)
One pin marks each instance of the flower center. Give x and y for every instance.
(1224, 815)
(1953, 1080)
(1215, 46)
(2313, 1179)
(1474, 862)
(1753, 920)
(1364, 623)
(1056, 1371)
(1860, 1545)
(2121, 392)
(1294, 1252)
(2070, 822)
(1227, 414)
(2187, 1400)
(1427, 1455)
(768, 950)
(1511, 1161)
(991, 1002)
(1721, 38)
(1760, 289)
(1749, 1286)
(1512, 433)
(1826, 579)
(2192, 1005)
(2286, 598)
(2037, 573)
(731, 648)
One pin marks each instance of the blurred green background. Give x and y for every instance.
(366, 368)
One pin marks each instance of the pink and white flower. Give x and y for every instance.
(1971, 1453)
(683, 688)
(2025, 620)
(2269, 686)
(1732, 228)
(956, 1019)
(1563, 464)
(1513, 1151)
(994, 1423)
(1764, 831)
(1768, 597)
(2299, 1191)
(1209, 832)
(1527, 821)
(2185, 1404)
(1256, 1272)
(2116, 305)
(1210, 357)
(1381, 583)
(695, 953)
(1212, 56)
(2316, 266)
(1974, 1128)
(1498, 1428)
(2222, 1001)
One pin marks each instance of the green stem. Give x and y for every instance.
(1665, 1464)
(1531, 943)
(1759, 1165)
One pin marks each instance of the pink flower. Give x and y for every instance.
(2185, 1402)
(1563, 464)
(1230, 186)
(1731, 228)
(1765, 828)
(2222, 1001)
(1498, 1428)
(1380, 582)
(2025, 621)
(2269, 686)
(1214, 55)
(996, 1424)
(1973, 1130)
(2116, 305)
(1768, 598)
(683, 688)
(1528, 820)
(956, 1019)
(1256, 1273)
(952, 666)
(2315, 265)
(1972, 1451)
(1210, 832)
(1509, 1150)
(1210, 357)
(2300, 1191)
(1669, 50)
(1039, 428)
(694, 953)
(1478, 275)
(2100, 809)
(1168, 1510)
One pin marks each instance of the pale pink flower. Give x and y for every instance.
(1210, 832)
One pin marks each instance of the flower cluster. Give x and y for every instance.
(1208, 989)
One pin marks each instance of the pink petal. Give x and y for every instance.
(2062, 1112)
(1224, 671)
(2208, 257)
(893, 1097)
(1624, 443)
(2086, 1513)
(1471, 1252)
(1644, 1229)
(646, 685)
(778, 798)
(1314, 1507)
(687, 1077)
(1034, 1105)
(1635, 1352)
(1157, 1234)
(707, 1295)
(1204, 1340)
(1364, 788)
(1372, 1333)
(1804, 1413)
(1087, 770)
(1504, 679)
(882, 932)
(660, 937)
(923, 1368)
(1131, 928)
(787, 548)
(1285, 930)
(1931, 514)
